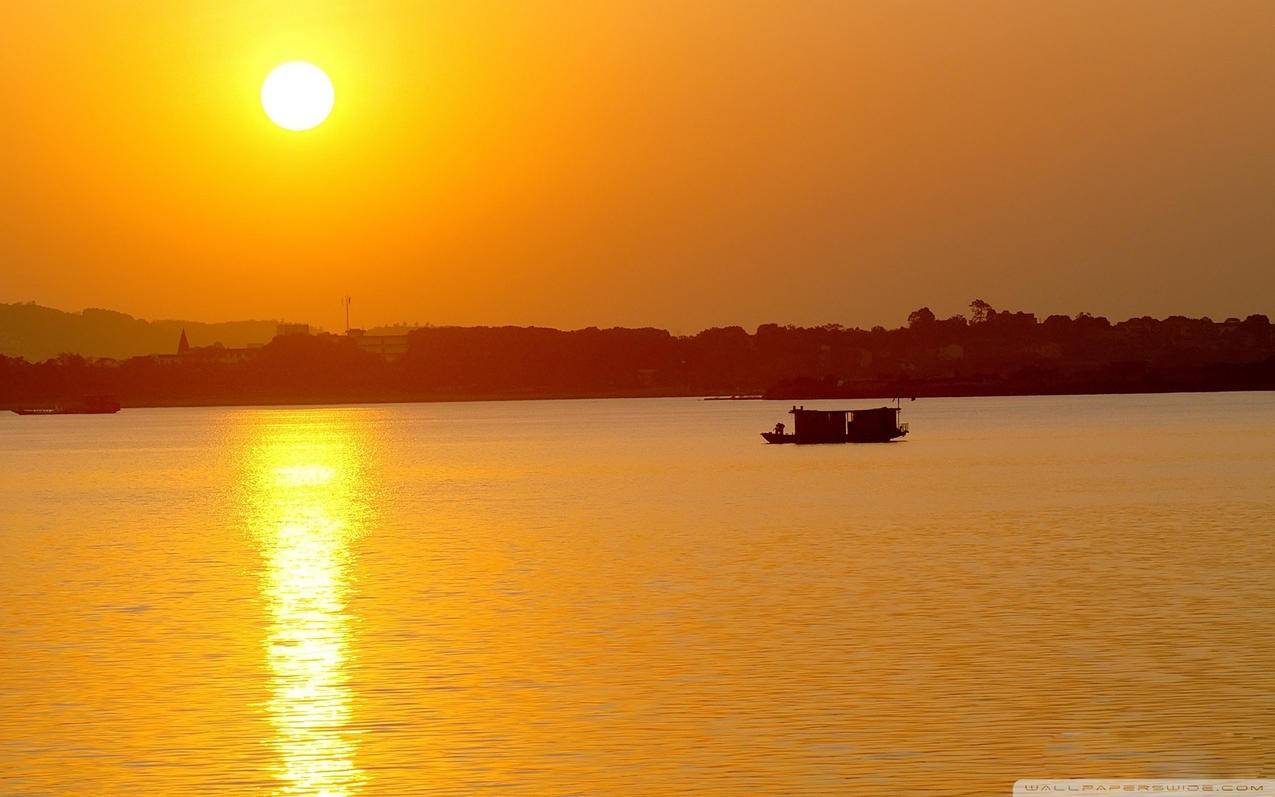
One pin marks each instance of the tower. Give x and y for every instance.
(183, 345)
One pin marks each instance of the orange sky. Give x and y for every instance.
(649, 162)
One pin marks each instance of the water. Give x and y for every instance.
(634, 597)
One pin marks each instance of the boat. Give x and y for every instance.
(91, 405)
(877, 425)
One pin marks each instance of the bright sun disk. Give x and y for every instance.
(297, 95)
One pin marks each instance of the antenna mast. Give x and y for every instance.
(345, 300)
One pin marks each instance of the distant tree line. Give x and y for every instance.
(988, 352)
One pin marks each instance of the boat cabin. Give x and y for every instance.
(881, 423)
(819, 426)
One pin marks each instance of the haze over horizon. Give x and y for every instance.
(639, 164)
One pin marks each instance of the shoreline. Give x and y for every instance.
(468, 399)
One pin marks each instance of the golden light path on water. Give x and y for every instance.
(304, 513)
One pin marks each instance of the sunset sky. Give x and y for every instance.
(676, 164)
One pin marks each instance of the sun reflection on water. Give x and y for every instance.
(305, 510)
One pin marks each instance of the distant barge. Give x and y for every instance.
(93, 405)
(879, 425)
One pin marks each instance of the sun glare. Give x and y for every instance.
(297, 95)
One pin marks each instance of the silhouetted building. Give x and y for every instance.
(387, 347)
(216, 353)
(292, 329)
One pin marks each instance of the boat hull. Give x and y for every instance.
(93, 405)
(65, 412)
(885, 437)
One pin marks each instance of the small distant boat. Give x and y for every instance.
(879, 425)
(92, 405)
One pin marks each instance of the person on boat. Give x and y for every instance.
(779, 428)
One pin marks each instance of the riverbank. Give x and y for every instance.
(497, 397)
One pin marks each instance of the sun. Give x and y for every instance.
(297, 95)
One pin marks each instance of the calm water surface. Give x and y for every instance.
(635, 597)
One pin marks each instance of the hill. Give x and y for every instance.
(37, 333)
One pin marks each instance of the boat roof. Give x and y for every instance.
(795, 410)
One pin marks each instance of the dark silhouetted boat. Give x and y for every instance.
(92, 405)
(879, 425)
